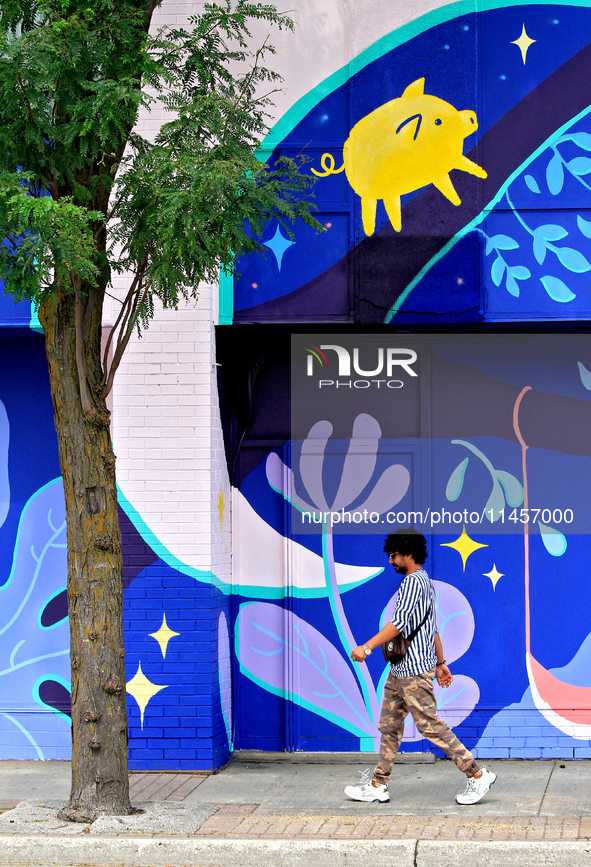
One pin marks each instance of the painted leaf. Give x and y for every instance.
(540, 249)
(497, 271)
(556, 289)
(580, 166)
(359, 463)
(455, 620)
(585, 376)
(551, 232)
(495, 503)
(282, 480)
(388, 491)
(532, 184)
(573, 260)
(554, 541)
(457, 701)
(584, 226)
(555, 175)
(503, 242)
(312, 461)
(520, 272)
(456, 481)
(512, 487)
(511, 285)
(583, 139)
(322, 681)
(34, 651)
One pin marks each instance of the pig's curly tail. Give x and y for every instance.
(327, 163)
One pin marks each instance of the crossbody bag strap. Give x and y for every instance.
(415, 632)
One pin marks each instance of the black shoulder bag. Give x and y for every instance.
(395, 650)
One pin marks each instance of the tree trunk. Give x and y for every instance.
(95, 596)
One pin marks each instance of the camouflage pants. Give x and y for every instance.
(404, 695)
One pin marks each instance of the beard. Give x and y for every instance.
(400, 569)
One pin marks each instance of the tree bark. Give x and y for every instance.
(95, 596)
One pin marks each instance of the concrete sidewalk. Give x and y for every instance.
(293, 809)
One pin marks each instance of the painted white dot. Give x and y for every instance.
(446, 47)
(466, 27)
(503, 77)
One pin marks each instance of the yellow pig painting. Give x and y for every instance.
(403, 145)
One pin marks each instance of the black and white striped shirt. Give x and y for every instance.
(415, 596)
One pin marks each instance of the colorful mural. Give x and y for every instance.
(477, 220)
(176, 718)
(493, 471)
(516, 150)
(35, 667)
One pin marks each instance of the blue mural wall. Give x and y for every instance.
(453, 166)
(487, 451)
(452, 163)
(175, 625)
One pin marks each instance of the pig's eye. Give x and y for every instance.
(438, 121)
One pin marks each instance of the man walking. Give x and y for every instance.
(409, 687)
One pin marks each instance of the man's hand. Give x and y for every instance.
(443, 675)
(358, 654)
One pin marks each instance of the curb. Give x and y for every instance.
(192, 852)
(176, 852)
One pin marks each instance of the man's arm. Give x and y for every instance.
(442, 672)
(389, 631)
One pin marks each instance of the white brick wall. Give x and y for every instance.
(166, 422)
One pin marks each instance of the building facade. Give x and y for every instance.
(422, 359)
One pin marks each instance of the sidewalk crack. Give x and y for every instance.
(546, 789)
(415, 860)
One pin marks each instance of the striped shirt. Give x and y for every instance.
(415, 596)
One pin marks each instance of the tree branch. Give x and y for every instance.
(124, 306)
(20, 81)
(125, 335)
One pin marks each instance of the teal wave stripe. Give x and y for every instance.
(161, 550)
(294, 115)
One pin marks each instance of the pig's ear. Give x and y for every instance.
(417, 88)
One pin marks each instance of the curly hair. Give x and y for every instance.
(407, 542)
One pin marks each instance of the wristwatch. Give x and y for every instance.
(366, 650)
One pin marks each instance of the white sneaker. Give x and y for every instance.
(366, 791)
(476, 788)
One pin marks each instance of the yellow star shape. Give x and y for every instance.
(142, 690)
(523, 43)
(494, 575)
(163, 635)
(464, 545)
(221, 506)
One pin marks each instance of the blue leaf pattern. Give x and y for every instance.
(558, 162)
(580, 166)
(584, 226)
(326, 685)
(38, 574)
(497, 271)
(555, 175)
(582, 139)
(573, 260)
(556, 289)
